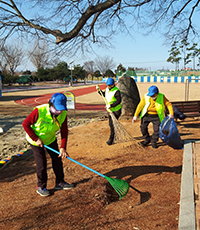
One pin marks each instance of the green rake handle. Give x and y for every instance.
(69, 158)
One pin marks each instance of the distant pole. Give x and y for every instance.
(71, 72)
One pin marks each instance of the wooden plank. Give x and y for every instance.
(189, 108)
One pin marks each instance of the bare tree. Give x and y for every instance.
(11, 57)
(76, 23)
(40, 55)
(104, 63)
(89, 67)
(3, 64)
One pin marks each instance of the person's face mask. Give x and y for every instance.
(154, 96)
(110, 86)
(54, 111)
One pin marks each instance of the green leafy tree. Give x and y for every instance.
(120, 67)
(27, 72)
(61, 71)
(194, 52)
(120, 70)
(78, 72)
(58, 72)
(97, 74)
(186, 56)
(42, 74)
(174, 55)
(9, 79)
(109, 73)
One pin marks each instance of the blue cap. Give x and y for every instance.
(110, 81)
(59, 101)
(152, 90)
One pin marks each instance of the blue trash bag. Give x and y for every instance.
(169, 133)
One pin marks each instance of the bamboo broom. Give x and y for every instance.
(121, 135)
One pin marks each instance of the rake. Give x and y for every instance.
(120, 186)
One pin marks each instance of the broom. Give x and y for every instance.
(121, 135)
(120, 186)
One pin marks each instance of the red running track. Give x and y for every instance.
(42, 99)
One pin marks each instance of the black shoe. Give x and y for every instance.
(145, 143)
(63, 185)
(109, 142)
(154, 145)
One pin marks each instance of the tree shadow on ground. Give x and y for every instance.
(7, 123)
(136, 171)
(189, 126)
(15, 98)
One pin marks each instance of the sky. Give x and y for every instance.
(141, 51)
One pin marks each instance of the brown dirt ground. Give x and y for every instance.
(154, 176)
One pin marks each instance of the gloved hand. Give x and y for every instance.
(108, 107)
(134, 119)
(171, 116)
(97, 88)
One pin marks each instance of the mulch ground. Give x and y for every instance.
(154, 177)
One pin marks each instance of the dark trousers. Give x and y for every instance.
(41, 164)
(144, 127)
(112, 131)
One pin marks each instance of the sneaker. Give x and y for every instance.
(63, 185)
(154, 145)
(145, 143)
(43, 191)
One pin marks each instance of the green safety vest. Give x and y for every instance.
(159, 104)
(110, 98)
(45, 127)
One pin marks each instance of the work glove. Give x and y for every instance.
(97, 88)
(134, 119)
(108, 107)
(171, 116)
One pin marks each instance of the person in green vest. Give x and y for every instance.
(152, 109)
(41, 127)
(112, 97)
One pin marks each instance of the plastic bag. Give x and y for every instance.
(169, 133)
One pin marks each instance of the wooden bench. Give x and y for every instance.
(189, 108)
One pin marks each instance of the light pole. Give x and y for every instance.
(71, 72)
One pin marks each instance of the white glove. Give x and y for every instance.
(97, 88)
(134, 119)
(171, 116)
(108, 107)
